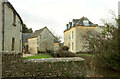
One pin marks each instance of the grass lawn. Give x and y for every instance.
(38, 56)
(86, 56)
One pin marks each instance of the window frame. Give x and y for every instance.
(13, 44)
(14, 18)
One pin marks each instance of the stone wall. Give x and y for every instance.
(73, 38)
(43, 41)
(1, 25)
(0, 65)
(70, 39)
(14, 66)
(46, 40)
(32, 45)
(12, 30)
(81, 44)
(56, 46)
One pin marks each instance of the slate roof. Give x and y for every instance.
(80, 22)
(37, 33)
(26, 36)
(77, 22)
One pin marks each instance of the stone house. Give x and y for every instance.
(41, 40)
(76, 30)
(10, 28)
(119, 9)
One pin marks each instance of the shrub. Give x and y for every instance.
(105, 47)
(39, 52)
(61, 53)
(65, 48)
(51, 52)
(90, 52)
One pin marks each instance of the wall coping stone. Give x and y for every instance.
(11, 53)
(55, 59)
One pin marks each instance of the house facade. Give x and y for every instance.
(10, 28)
(75, 33)
(41, 40)
(119, 9)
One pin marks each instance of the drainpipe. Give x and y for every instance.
(22, 40)
(3, 30)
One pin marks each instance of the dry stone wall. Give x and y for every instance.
(0, 65)
(13, 65)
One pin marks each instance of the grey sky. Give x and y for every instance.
(55, 14)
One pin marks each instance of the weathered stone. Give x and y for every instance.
(10, 27)
(41, 40)
(14, 66)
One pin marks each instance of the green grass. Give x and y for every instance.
(39, 56)
(86, 55)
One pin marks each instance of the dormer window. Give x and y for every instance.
(86, 23)
(14, 18)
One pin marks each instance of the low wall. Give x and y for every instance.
(14, 66)
(0, 65)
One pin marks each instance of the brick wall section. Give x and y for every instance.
(14, 66)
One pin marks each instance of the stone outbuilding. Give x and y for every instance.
(41, 40)
(10, 28)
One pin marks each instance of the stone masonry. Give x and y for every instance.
(13, 65)
(0, 65)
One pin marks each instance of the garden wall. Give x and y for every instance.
(0, 65)
(13, 65)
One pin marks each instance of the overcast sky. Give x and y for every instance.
(55, 14)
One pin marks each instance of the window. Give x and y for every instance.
(14, 18)
(90, 34)
(69, 36)
(69, 45)
(20, 46)
(72, 34)
(86, 23)
(72, 45)
(13, 44)
(38, 45)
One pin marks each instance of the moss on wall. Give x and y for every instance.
(14, 66)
